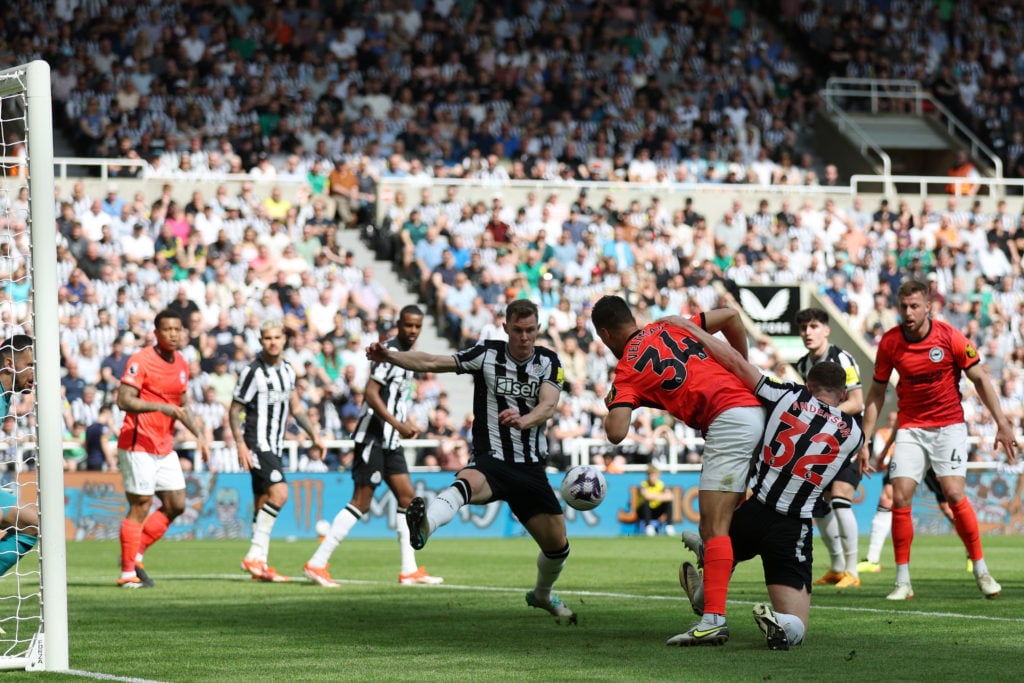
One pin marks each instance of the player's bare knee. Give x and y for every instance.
(278, 496)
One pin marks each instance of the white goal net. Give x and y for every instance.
(33, 586)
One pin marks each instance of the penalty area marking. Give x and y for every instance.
(96, 676)
(604, 594)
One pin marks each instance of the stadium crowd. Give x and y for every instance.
(967, 55)
(332, 97)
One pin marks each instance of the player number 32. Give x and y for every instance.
(782, 448)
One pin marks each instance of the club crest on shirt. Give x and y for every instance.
(936, 354)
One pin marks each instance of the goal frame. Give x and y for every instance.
(48, 650)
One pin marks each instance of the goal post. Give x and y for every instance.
(27, 121)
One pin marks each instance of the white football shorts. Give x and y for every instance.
(729, 448)
(144, 473)
(944, 449)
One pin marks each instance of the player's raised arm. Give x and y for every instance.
(728, 322)
(417, 361)
(725, 354)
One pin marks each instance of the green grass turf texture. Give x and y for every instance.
(206, 621)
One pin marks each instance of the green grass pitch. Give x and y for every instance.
(206, 621)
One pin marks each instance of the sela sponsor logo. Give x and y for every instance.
(274, 397)
(935, 354)
(506, 386)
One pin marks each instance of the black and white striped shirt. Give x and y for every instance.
(502, 382)
(836, 355)
(395, 385)
(265, 391)
(806, 442)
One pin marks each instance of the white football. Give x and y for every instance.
(323, 527)
(584, 487)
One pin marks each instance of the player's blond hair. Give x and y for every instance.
(272, 324)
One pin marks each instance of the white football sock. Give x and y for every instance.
(261, 528)
(548, 569)
(793, 627)
(848, 530)
(444, 507)
(408, 555)
(980, 567)
(881, 524)
(828, 528)
(340, 526)
(710, 620)
(903, 573)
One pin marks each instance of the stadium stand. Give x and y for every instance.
(259, 137)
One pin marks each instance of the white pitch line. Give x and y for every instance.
(605, 594)
(108, 677)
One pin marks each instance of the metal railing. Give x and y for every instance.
(932, 185)
(838, 90)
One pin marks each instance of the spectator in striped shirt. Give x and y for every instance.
(807, 440)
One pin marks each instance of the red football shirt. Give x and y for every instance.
(664, 367)
(928, 391)
(158, 382)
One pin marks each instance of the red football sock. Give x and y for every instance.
(131, 532)
(966, 523)
(902, 534)
(718, 560)
(153, 530)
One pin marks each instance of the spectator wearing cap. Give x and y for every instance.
(113, 202)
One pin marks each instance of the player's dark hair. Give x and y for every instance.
(912, 287)
(809, 315)
(611, 312)
(15, 344)
(521, 308)
(828, 376)
(167, 314)
(411, 309)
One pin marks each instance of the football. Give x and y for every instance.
(584, 487)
